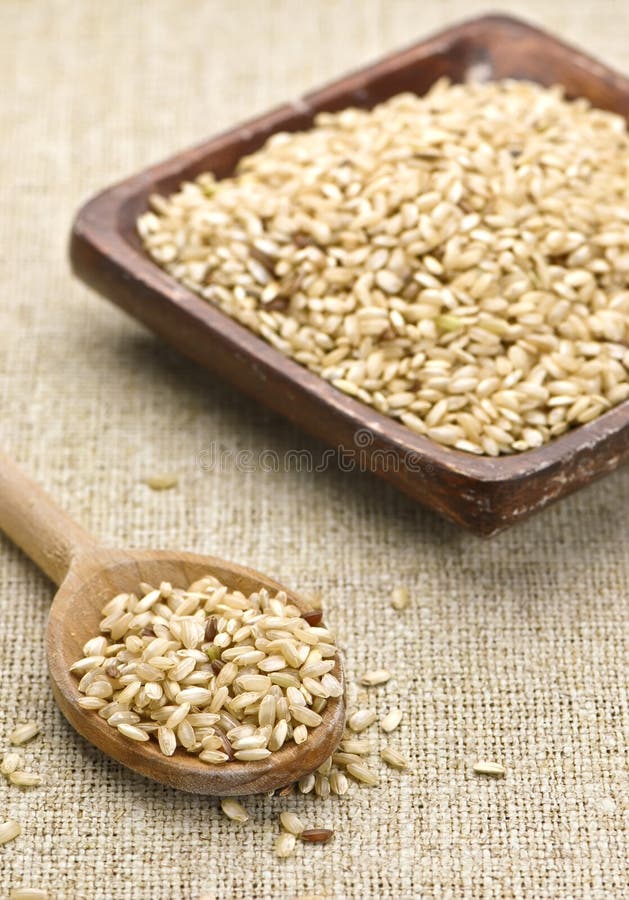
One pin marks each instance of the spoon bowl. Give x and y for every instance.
(88, 576)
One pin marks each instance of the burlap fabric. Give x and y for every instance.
(513, 649)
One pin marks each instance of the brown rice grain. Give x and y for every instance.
(357, 746)
(25, 779)
(291, 822)
(316, 835)
(28, 893)
(9, 831)
(306, 783)
(23, 733)
(391, 721)
(362, 719)
(339, 784)
(393, 758)
(234, 810)
(216, 757)
(493, 769)
(162, 481)
(300, 734)
(167, 740)
(375, 677)
(285, 844)
(362, 773)
(252, 755)
(400, 598)
(133, 733)
(10, 763)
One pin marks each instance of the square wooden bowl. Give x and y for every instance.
(480, 493)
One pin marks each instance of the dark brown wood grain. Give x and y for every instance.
(482, 494)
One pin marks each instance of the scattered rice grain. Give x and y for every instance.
(10, 763)
(400, 598)
(362, 719)
(391, 721)
(285, 844)
(28, 893)
(234, 810)
(361, 772)
(25, 779)
(393, 758)
(375, 677)
(291, 822)
(23, 733)
(316, 835)
(486, 767)
(162, 481)
(9, 831)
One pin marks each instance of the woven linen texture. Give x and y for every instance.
(513, 649)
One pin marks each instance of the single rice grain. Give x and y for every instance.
(29, 893)
(10, 762)
(161, 481)
(400, 598)
(316, 835)
(291, 822)
(234, 810)
(362, 719)
(393, 758)
(375, 677)
(493, 769)
(363, 773)
(391, 721)
(9, 831)
(23, 733)
(285, 844)
(25, 779)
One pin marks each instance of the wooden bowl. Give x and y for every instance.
(480, 493)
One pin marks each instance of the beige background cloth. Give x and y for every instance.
(514, 649)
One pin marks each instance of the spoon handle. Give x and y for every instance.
(35, 523)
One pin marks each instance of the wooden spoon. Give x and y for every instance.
(88, 575)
